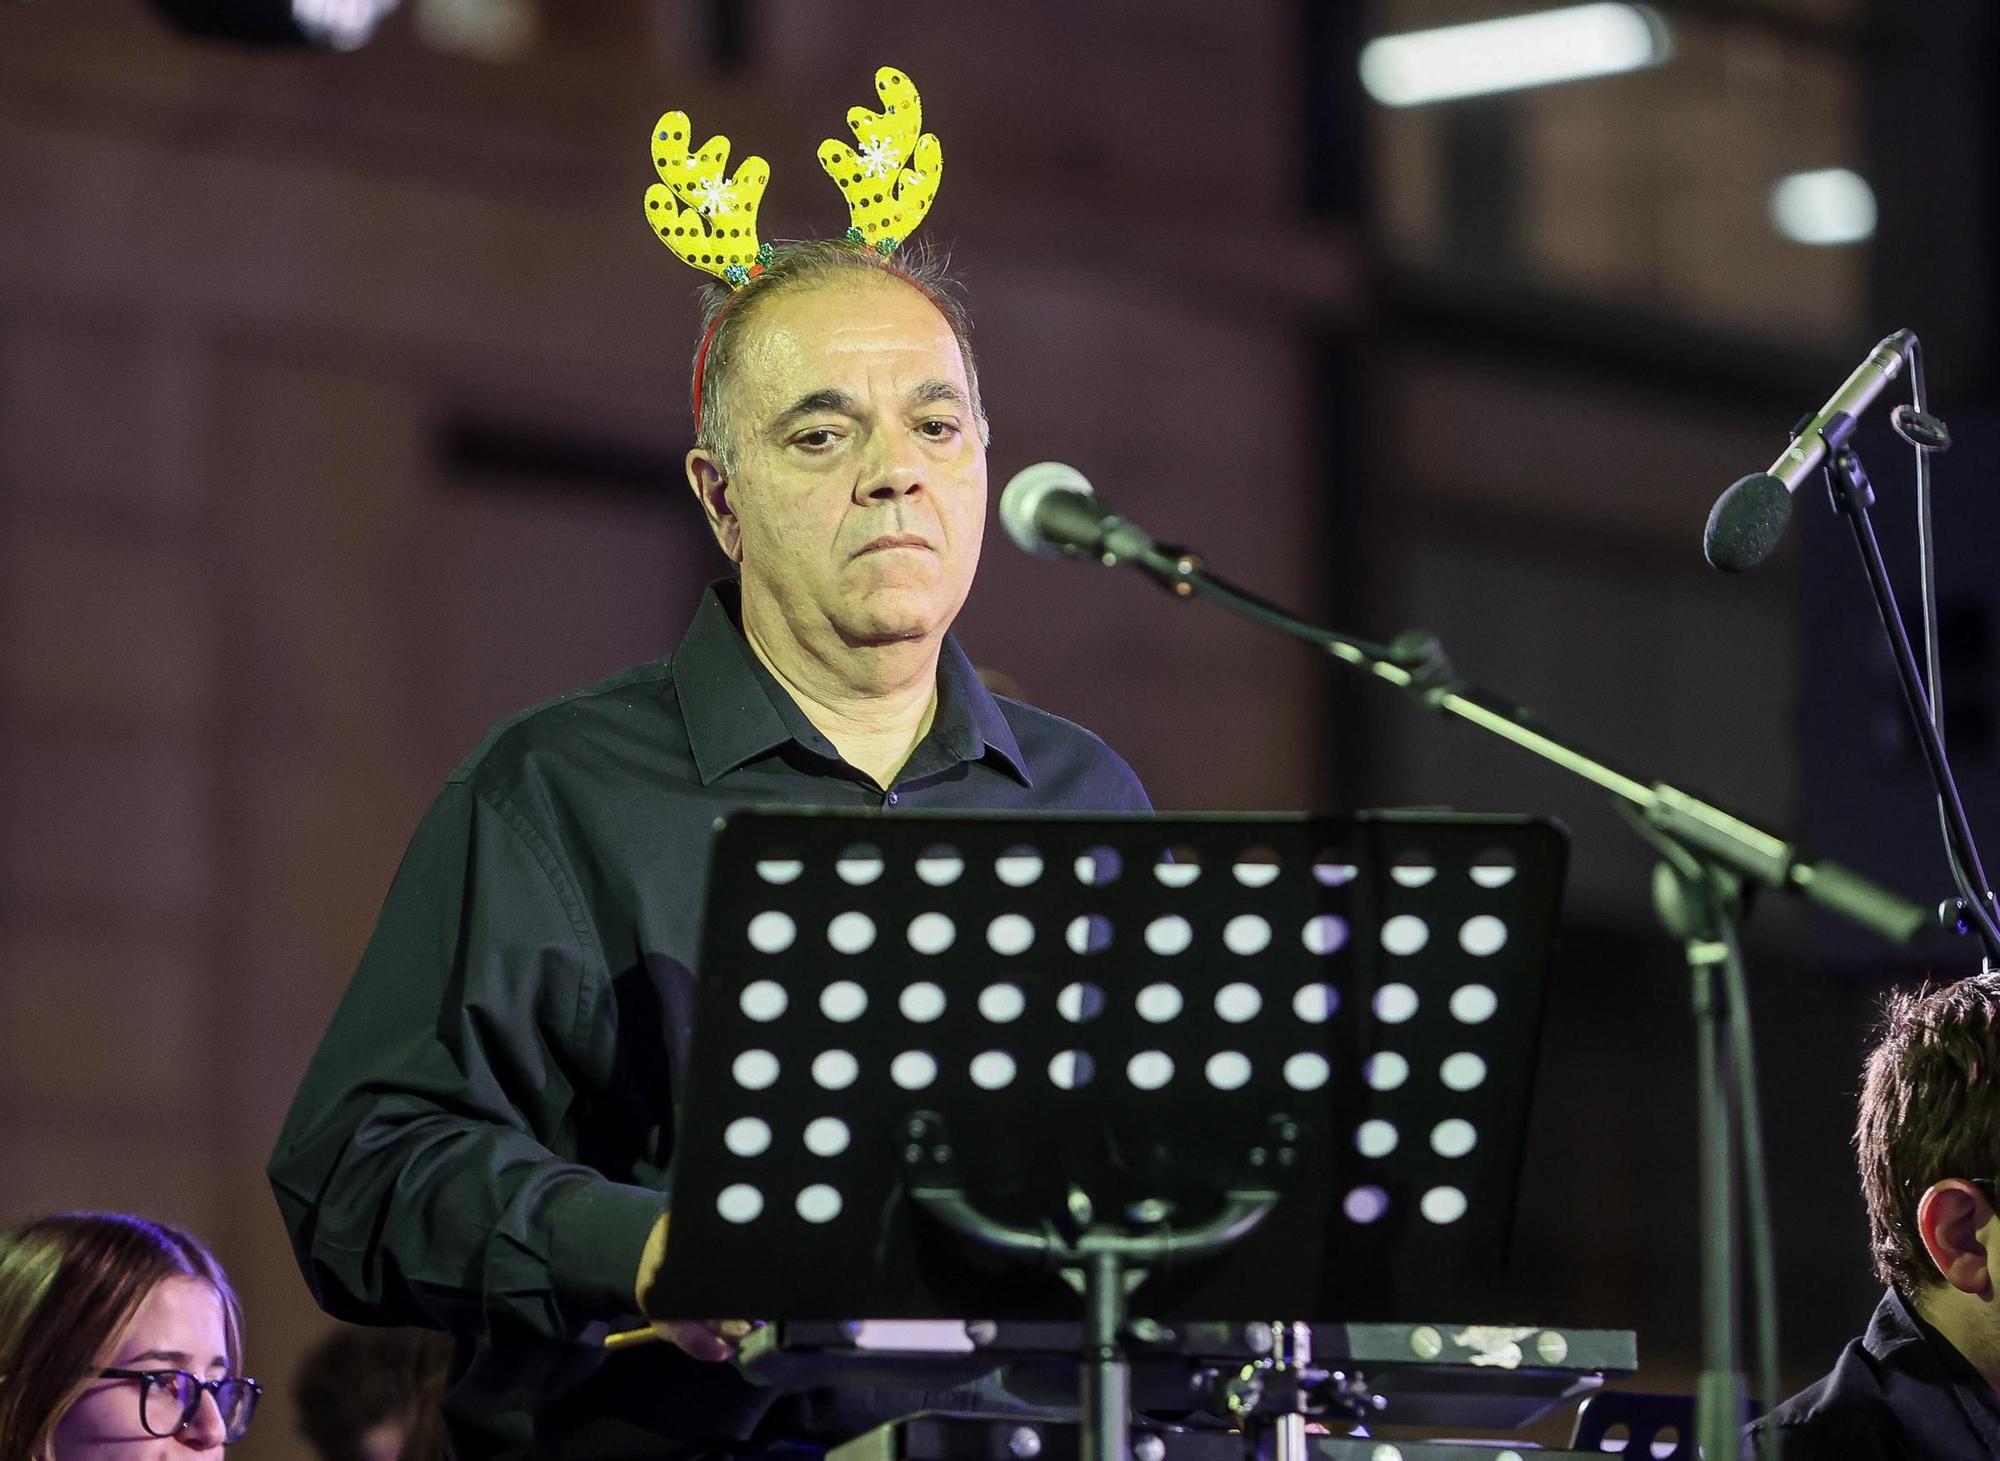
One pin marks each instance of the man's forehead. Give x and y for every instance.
(814, 326)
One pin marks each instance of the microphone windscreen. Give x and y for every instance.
(1023, 495)
(1747, 523)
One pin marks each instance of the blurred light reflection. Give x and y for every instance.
(1512, 53)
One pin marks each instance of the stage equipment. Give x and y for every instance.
(1748, 511)
(343, 25)
(1748, 520)
(1048, 509)
(1711, 860)
(1451, 1376)
(1111, 1076)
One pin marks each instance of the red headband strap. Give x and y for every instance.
(701, 359)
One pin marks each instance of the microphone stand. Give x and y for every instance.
(1710, 860)
(1847, 483)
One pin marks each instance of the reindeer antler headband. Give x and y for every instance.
(711, 220)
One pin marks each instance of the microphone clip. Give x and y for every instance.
(1920, 429)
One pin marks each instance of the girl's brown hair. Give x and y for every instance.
(69, 1284)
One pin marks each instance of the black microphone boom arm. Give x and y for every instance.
(1416, 663)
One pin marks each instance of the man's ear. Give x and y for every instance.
(711, 489)
(1950, 1218)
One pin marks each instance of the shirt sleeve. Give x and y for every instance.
(420, 1171)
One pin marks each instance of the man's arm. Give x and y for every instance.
(418, 1171)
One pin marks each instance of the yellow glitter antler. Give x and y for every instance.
(716, 231)
(890, 182)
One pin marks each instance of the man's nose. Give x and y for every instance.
(891, 469)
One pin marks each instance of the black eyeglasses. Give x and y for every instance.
(169, 1399)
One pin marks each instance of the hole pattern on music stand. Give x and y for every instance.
(851, 933)
(827, 1136)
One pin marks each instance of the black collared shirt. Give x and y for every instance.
(482, 1141)
(1901, 1392)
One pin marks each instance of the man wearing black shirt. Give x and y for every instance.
(482, 1141)
(1920, 1385)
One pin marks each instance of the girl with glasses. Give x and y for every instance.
(119, 1338)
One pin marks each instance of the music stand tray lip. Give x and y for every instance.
(1363, 816)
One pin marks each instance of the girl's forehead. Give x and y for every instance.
(182, 1315)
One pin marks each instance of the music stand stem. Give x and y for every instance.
(1106, 1380)
(1103, 1255)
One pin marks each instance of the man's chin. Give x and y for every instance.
(889, 618)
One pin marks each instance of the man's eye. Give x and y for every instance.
(816, 439)
(939, 428)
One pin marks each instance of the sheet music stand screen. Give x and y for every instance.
(1119, 1003)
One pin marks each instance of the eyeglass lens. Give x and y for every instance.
(171, 1399)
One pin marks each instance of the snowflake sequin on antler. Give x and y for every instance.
(879, 157)
(714, 196)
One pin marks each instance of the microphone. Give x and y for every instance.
(1049, 509)
(1748, 520)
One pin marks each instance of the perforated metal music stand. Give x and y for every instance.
(1118, 1007)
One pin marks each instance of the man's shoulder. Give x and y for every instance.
(1856, 1411)
(635, 704)
(1062, 751)
(1843, 1416)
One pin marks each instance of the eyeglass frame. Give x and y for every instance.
(150, 1378)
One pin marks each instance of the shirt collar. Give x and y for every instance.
(969, 720)
(735, 709)
(1897, 1324)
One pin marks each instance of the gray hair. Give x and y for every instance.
(798, 265)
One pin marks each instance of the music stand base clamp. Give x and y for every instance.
(1271, 1398)
(1106, 1260)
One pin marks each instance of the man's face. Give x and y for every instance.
(858, 499)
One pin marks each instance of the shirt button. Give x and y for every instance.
(891, 798)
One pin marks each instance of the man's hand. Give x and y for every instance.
(703, 1339)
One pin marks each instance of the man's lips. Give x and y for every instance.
(893, 540)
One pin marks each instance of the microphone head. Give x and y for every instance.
(1023, 495)
(1747, 523)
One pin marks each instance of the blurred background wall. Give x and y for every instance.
(342, 398)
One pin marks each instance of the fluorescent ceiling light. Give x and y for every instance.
(345, 25)
(1830, 206)
(1512, 52)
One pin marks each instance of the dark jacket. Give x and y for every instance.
(1900, 1392)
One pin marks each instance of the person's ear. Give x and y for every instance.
(711, 488)
(1950, 1217)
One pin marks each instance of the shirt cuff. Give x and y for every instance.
(598, 1232)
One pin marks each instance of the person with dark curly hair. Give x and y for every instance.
(1924, 1380)
(120, 1340)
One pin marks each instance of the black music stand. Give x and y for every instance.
(1213, 1067)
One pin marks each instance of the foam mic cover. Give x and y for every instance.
(1747, 523)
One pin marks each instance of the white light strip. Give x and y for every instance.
(1831, 206)
(1513, 52)
(345, 25)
